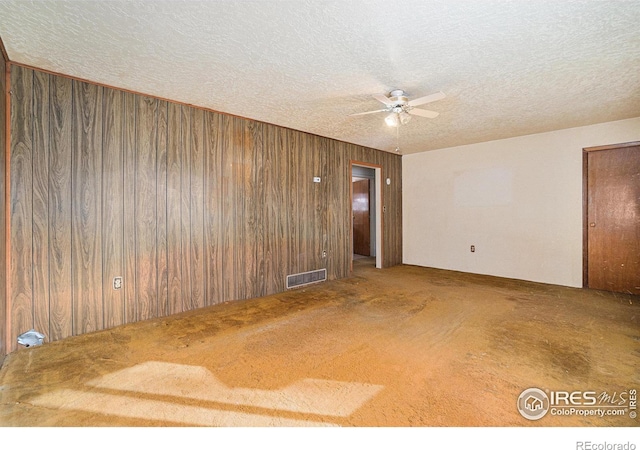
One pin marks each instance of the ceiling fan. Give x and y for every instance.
(400, 108)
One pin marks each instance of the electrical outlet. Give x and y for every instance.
(473, 248)
(117, 283)
(324, 253)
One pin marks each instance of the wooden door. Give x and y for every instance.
(361, 224)
(613, 219)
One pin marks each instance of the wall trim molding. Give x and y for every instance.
(611, 146)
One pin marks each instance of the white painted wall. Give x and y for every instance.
(518, 200)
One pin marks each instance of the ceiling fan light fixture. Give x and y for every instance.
(392, 120)
(400, 110)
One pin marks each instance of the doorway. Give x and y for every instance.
(611, 185)
(366, 212)
(361, 217)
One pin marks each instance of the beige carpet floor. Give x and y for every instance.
(405, 346)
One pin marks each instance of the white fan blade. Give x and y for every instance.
(423, 113)
(383, 99)
(368, 112)
(427, 99)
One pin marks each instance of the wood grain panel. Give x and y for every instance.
(129, 207)
(229, 207)
(281, 203)
(332, 211)
(40, 201)
(174, 200)
(388, 214)
(145, 207)
(185, 206)
(112, 206)
(311, 233)
(388, 202)
(21, 260)
(339, 250)
(314, 204)
(357, 153)
(273, 205)
(317, 203)
(259, 189)
(196, 208)
(268, 218)
(292, 205)
(321, 199)
(60, 208)
(192, 207)
(304, 187)
(345, 252)
(238, 196)
(86, 219)
(161, 210)
(258, 230)
(253, 203)
(3, 189)
(213, 208)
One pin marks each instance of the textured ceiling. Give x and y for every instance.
(508, 68)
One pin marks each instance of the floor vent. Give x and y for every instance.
(302, 279)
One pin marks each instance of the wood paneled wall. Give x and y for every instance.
(189, 206)
(3, 216)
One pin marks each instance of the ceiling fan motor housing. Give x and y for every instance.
(398, 97)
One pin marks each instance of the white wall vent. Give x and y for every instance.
(305, 278)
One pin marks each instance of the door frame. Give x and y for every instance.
(378, 208)
(585, 202)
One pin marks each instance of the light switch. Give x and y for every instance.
(388, 181)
